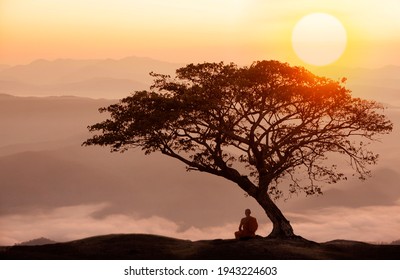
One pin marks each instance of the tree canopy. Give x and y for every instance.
(264, 127)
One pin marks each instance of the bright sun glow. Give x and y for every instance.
(319, 39)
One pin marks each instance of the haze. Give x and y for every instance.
(62, 60)
(189, 31)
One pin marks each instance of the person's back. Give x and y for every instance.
(248, 226)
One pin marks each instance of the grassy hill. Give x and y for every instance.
(153, 247)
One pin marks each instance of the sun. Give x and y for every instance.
(319, 39)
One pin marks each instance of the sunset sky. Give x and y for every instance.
(190, 31)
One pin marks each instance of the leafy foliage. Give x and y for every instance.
(252, 125)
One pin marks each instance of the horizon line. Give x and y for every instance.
(115, 59)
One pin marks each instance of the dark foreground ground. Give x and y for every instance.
(151, 247)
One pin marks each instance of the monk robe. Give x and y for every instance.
(247, 228)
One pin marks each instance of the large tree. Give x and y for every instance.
(268, 127)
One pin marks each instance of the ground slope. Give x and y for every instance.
(152, 247)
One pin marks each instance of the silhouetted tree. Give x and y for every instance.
(263, 127)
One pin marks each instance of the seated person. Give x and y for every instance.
(248, 226)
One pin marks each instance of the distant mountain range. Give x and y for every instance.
(116, 78)
(107, 78)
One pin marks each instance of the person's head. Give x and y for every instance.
(247, 212)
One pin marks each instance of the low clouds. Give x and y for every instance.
(371, 224)
(75, 222)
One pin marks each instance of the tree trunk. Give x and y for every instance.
(281, 226)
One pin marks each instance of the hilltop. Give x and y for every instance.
(153, 247)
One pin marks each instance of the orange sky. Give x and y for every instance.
(190, 31)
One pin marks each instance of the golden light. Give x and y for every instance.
(319, 39)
